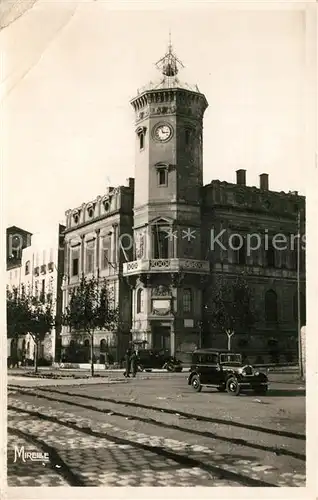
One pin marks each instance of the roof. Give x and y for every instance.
(16, 229)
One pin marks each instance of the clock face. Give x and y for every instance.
(163, 133)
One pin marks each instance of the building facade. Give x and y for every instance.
(164, 271)
(97, 243)
(40, 272)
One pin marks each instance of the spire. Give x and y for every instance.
(169, 64)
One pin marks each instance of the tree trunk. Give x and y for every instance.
(229, 335)
(36, 353)
(92, 354)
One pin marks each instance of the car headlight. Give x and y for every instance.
(256, 373)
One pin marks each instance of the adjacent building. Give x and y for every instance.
(41, 273)
(154, 239)
(98, 239)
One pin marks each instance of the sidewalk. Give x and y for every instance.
(18, 381)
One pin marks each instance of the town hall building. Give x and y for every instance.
(153, 239)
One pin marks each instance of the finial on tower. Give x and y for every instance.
(169, 64)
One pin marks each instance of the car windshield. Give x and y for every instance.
(230, 358)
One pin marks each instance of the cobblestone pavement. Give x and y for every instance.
(101, 454)
(30, 473)
(94, 461)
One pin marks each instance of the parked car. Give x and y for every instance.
(173, 365)
(149, 359)
(225, 371)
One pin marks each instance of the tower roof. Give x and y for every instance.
(169, 66)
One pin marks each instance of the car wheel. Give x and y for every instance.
(232, 386)
(196, 385)
(262, 389)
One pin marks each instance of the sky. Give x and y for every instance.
(70, 69)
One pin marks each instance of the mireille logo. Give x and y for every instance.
(34, 456)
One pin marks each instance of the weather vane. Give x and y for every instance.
(169, 64)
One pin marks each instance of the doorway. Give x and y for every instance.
(161, 337)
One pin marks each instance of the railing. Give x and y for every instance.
(166, 265)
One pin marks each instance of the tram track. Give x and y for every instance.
(183, 460)
(153, 421)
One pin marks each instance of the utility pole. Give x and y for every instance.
(300, 357)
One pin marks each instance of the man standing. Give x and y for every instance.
(127, 361)
(134, 362)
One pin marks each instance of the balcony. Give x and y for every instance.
(166, 266)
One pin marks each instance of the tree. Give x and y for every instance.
(230, 306)
(27, 313)
(91, 307)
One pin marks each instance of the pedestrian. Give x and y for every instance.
(127, 362)
(134, 362)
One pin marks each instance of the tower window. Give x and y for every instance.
(162, 177)
(139, 300)
(141, 141)
(161, 244)
(187, 300)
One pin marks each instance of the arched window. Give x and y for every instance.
(27, 267)
(270, 255)
(141, 140)
(271, 309)
(161, 242)
(139, 301)
(103, 345)
(187, 300)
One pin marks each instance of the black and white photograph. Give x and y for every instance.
(159, 179)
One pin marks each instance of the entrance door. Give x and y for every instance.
(161, 337)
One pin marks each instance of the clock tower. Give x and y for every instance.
(167, 272)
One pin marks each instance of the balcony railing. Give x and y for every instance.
(166, 265)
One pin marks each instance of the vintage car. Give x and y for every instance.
(149, 359)
(225, 371)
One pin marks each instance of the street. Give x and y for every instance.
(154, 431)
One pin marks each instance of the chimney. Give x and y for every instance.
(263, 182)
(241, 177)
(131, 183)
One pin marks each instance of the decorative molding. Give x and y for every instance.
(161, 291)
